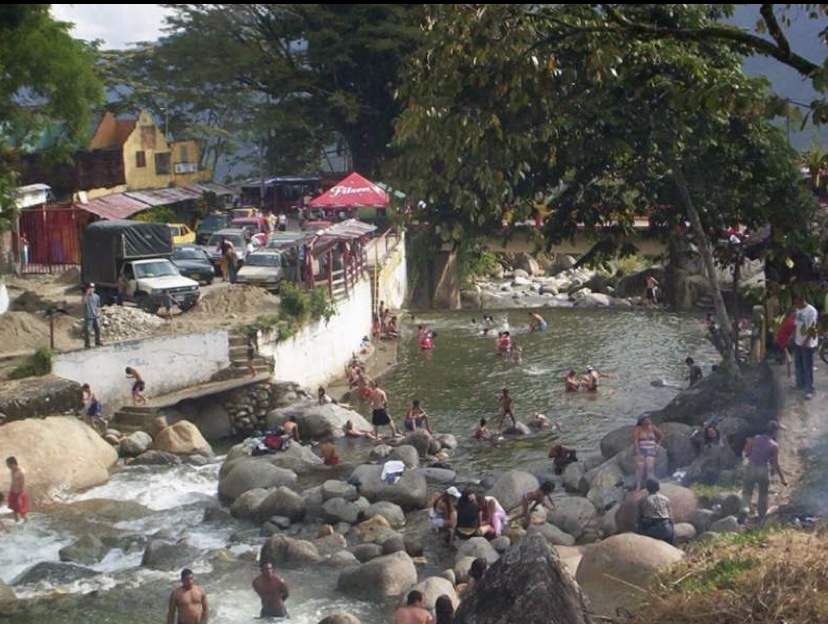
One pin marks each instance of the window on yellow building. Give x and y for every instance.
(162, 163)
(141, 159)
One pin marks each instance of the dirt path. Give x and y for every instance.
(802, 444)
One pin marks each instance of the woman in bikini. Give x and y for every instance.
(646, 438)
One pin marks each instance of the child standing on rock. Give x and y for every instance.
(138, 386)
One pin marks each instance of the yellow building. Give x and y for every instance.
(150, 162)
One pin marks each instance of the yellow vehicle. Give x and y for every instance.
(181, 234)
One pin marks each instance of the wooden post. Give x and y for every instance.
(329, 255)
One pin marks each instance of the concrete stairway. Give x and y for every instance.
(238, 358)
(131, 418)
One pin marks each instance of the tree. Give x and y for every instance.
(310, 72)
(47, 82)
(612, 127)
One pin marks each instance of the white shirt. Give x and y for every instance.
(806, 317)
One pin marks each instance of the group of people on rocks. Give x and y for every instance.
(385, 324)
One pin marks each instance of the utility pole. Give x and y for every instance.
(262, 189)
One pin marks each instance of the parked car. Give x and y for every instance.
(238, 237)
(182, 234)
(243, 212)
(211, 223)
(254, 225)
(194, 262)
(267, 268)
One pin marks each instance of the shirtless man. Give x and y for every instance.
(138, 386)
(416, 417)
(189, 601)
(291, 428)
(272, 590)
(506, 409)
(413, 611)
(652, 290)
(573, 384)
(18, 502)
(590, 380)
(482, 431)
(379, 410)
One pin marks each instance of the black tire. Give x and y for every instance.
(209, 281)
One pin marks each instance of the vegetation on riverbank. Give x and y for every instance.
(761, 577)
(297, 307)
(37, 364)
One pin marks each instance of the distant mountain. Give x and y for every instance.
(785, 82)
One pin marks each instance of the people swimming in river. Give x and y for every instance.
(504, 400)
(425, 337)
(571, 381)
(589, 382)
(504, 343)
(537, 322)
(481, 432)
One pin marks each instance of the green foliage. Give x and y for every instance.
(321, 304)
(627, 265)
(36, 365)
(294, 303)
(157, 214)
(722, 574)
(475, 261)
(41, 63)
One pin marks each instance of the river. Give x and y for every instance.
(457, 383)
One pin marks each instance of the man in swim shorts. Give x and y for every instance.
(416, 417)
(272, 591)
(379, 410)
(18, 501)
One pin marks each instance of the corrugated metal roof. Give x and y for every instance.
(208, 187)
(161, 197)
(114, 206)
(352, 228)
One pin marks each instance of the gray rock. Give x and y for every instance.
(441, 476)
(342, 559)
(702, 519)
(447, 440)
(509, 488)
(282, 502)
(461, 569)
(540, 590)
(728, 524)
(432, 588)
(164, 555)
(340, 617)
(474, 548)
(246, 505)
(380, 451)
(339, 489)
(551, 534)
(252, 473)
(390, 511)
(135, 444)
(389, 575)
(414, 545)
(8, 599)
(287, 552)
(339, 510)
(366, 552)
(676, 441)
(156, 458)
(406, 454)
(421, 440)
(394, 543)
(572, 515)
(86, 550)
(501, 544)
(410, 492)
(318, 421)
(684, 532)
(54, 572)
(616, 441)
(330, 544)
(572, 476)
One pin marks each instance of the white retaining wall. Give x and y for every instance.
(393, 277)
(319, 351)
(167, 364)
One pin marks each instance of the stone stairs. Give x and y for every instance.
(132, 418)
(238, 358)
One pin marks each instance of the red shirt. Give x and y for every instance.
(785, 331)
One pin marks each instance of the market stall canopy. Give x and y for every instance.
(352, 192)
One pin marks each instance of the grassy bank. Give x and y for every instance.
(773, 576)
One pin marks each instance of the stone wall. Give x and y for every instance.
(392, 278)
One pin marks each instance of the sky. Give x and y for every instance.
(118, 25)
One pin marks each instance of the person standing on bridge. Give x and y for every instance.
(138, 386)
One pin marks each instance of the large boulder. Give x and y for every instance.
(677, 443)
(283, 551)
(84, 456)
(573, 515)
(707, 467)
(409, 492)
(38, 396)
(163, 555)
(317, 421)
(252, 473)
(182, 438)
(391, 512)
(135, 444)
(340, 617)
(510, 487)
(683, 504)
(282, 502)
(626, 460)
(527, 584)
(611, 571)
(86, 550)
(389, 575)
(616, 441)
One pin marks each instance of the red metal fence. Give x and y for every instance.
(54, 236)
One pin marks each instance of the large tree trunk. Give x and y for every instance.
(724, 340)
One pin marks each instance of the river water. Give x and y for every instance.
(457, 383)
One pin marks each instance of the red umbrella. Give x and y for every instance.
(352, 192)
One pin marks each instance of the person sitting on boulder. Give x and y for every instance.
(352, 432)
(533, 498)
(290, 428)
(655, 517)
(466, 518)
